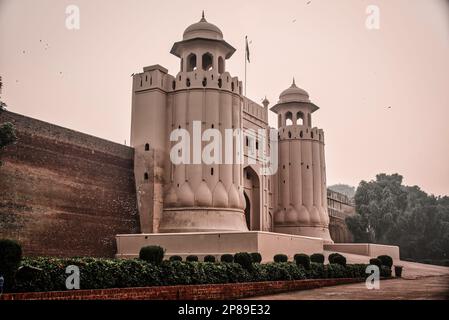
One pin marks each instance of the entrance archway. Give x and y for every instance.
(247, 210)
(252, 197)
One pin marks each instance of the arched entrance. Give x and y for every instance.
(247, 209)
(252, 197)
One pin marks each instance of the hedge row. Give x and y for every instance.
(96, 273)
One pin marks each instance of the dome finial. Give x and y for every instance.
(293, 84)
(203, 19)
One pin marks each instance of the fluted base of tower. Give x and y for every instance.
(316, 232)
(202, 220)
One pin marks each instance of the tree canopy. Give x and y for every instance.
(389, 212)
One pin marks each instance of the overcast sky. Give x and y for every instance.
(383, 94)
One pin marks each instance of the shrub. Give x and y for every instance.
(229, 258)
(192, 258)
(376, 262)
(317, 258)
(336, 258)
(280, 258)
(279, 271)
(398, 271)
(385, 271)
(152, 254)
(386, 260)
(244, 259)
(10, 257)
(303, 260)
(175, 258)
(256, 257)
(209, 258)
(102, 273)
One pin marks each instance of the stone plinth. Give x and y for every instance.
(364, 249)
(217, 243)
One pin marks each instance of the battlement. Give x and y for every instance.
(298, 132)
(152, 77)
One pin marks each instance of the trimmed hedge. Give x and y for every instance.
(228, 258)
(152, 254)
(336, 258)
(376, 262)
(10, 257)
(209, 258)
(317, 258)
(386, 260)
(99, 273)
(175, 258)
(256, 257)
(280, 258)
(244, 259)
(192, 258)
(303, 260)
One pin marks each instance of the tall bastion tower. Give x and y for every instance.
(191, 197)
(301, 177)
(199, 208)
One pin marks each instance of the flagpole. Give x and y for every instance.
(246, 41)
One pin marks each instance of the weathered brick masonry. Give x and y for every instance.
(191, 292)
(65, 193)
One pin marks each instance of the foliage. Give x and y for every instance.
(152, 254)
(99, 273)
(317, 258)
(280, 258)
(192, 258)
(386, 260)
(337, 258)
(209, 258)
(10, 257)
(256, 257)
(244, 259)
(303, 260)
(376, 262)
(390, 213)
(175, 258)
(7, 129)
(229, 258)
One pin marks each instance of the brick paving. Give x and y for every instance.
(420, 288)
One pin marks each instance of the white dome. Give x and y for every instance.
(203, 29)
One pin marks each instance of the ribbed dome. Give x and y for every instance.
(203, 29)
(294, 94)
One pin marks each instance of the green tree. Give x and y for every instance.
(391, 213)
(7, 130)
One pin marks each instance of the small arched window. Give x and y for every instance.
(191, 62)
(147, 146)
(289, 135)
(188, 82)
(204, 82)
(145, 176)
(300, 118)
(288, 119)
(232, 86)
(220, 65)
(207, 61)
(220, 83)
(211, 171)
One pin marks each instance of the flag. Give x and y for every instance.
(247, 49)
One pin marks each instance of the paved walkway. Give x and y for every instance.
(428, 287)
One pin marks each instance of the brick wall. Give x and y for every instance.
(193, 292)
(65, 193)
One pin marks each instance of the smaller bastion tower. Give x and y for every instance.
(301, 197)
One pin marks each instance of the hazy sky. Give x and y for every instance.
(81, 79)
